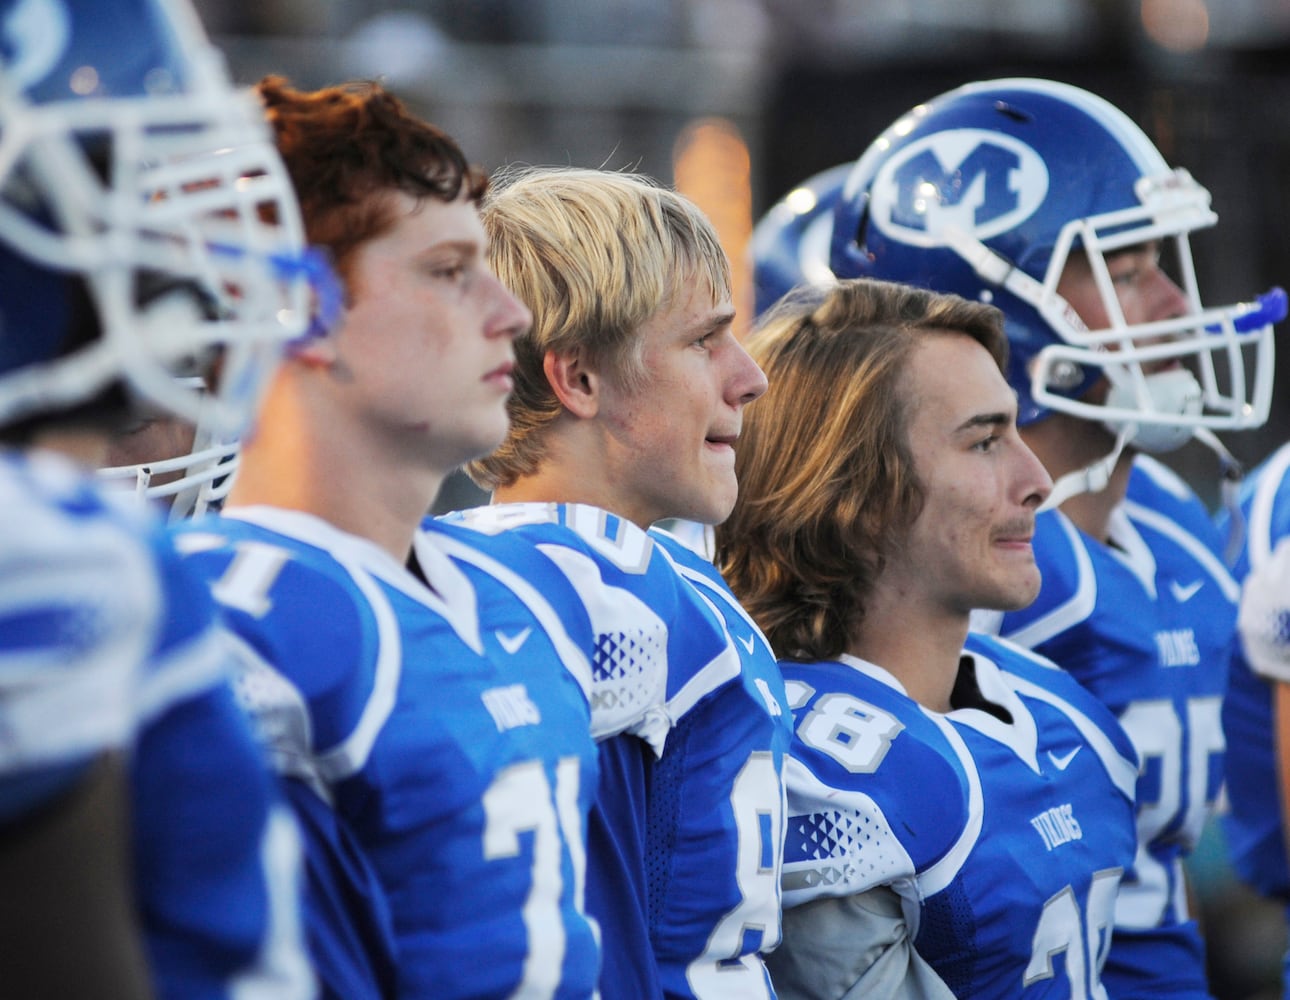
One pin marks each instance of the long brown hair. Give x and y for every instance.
(827, 487)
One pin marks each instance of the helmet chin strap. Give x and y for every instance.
(1092, 478)
(1232, 473)
(1174, 391)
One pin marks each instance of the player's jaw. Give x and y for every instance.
(1016, 578)
(718, 469)
(693, 482)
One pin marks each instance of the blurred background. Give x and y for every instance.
(735, 101)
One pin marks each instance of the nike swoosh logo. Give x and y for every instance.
(748, 644)
(512, 643)
(1064, 761)
(1184, 593)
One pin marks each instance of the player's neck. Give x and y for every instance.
(1091, 512)
(573, 470)
(919, 648)
(300, 460)
(1067, 444)
(557, 485)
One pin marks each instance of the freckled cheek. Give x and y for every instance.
(626, 419)
(948, 535)
(966, 527)
(961, 505)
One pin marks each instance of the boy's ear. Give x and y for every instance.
(576, 386)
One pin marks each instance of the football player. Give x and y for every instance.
(1256, 710)
(133, 797)
(960, 811)
(430, 710)
(629, 397)
(1050, 203)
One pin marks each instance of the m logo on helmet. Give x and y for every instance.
(981, 182)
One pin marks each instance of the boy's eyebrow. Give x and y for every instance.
(999, 419)
(717, 320)
(452, 245)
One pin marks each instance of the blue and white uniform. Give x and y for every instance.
(684, 846)
(106, 643)
(1253, 826)
(454, 748)
(1146, 623)
(1003, 825)
(726, 801)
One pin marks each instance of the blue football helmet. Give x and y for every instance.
(148, 229)
(790, 243)
(988, 190)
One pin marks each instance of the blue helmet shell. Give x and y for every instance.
(790, 243)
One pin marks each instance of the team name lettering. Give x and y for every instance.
(1057, 826)
(1177, 648)
(510, 707)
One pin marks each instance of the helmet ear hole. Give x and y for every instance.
(1064, 376)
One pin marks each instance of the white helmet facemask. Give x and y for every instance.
(1221, 344)
(113, 169)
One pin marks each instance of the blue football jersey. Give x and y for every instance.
(454, 749)
(1253, 825)
(106, 641)
(682, 845)
(1147, 624)
(715, 904)
(80, 612)
(1005, 838)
